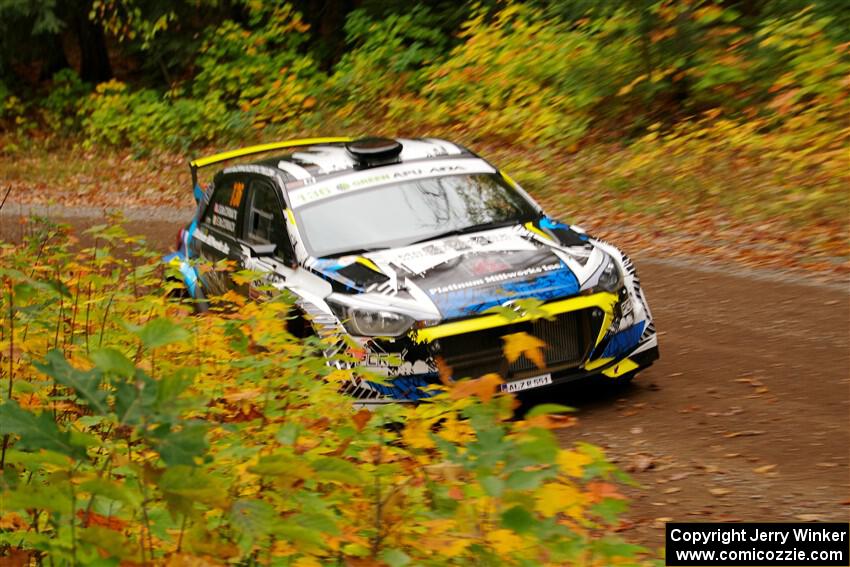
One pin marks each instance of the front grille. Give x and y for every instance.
(568, 339)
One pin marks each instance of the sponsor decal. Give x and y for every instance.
(419, 259)
(212, 241)
(384, 176)
(495, 278)
(223, 223)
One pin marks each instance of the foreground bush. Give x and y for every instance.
(136, 434)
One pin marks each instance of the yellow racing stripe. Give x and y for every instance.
(603, 300)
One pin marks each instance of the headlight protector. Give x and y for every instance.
(371, 322)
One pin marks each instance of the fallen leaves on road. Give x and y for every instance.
(747, 433)
(640, 462)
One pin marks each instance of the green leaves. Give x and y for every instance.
(160, 332)
(109, 360)
(518, 519)
(336, 470)
(252, 519)
(184, 446)
(36, 431)
(86, 384)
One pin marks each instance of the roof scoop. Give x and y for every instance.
(371, 152)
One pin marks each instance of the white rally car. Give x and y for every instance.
(413, 249)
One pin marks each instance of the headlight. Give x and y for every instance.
(369, 323)
(610, 279)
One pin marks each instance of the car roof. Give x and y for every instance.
(312, 163)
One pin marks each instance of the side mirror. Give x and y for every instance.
(258, 250)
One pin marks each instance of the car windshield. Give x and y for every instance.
(414, 211)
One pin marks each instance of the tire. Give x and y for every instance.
(200, 303)
(181, 294)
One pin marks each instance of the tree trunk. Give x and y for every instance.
(54, 58)
(94, 59)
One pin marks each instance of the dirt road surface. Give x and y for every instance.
(746, 416)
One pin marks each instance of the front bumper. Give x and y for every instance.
(587, 335)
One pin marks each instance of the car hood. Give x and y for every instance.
(460, 276)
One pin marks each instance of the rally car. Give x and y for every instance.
(424, 257)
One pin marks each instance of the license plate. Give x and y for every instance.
(527, 383)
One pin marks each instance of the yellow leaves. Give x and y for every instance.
(572, 462)
(456, 430)
(12, 521)
(338, 376)
(505, 542)
(417, 434)
(558, 498)
(286, 454)
(445, 537)
(518, 344)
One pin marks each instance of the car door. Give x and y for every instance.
(217, 237)
(263, 224)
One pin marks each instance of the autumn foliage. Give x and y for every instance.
(135, 433)
(723, 125)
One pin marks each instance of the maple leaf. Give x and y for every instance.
(484, 387)
(517, 344)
